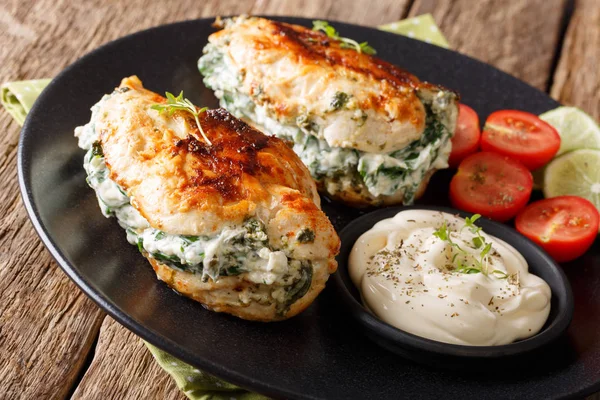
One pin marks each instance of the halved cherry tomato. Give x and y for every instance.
(522, 136)
(492, 185)
(466, 137)
(565, 226)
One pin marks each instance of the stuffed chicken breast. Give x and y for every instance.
(225, 215)
(369, 132)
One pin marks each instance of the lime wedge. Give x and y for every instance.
(577, 130)
(576, 173)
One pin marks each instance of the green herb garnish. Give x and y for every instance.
(346, 43)
(469, 263)
(180, 103)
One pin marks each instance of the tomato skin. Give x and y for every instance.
(522, 136)
(492, 185)
(466, 137)
(565, 226)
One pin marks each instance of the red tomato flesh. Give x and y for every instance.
(466, 137)
(564, 226)
(492, 185)
(522, 136)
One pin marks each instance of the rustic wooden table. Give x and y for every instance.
(56, 343)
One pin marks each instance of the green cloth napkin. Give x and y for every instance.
(18, 98)
(421, 28)
(197, 384)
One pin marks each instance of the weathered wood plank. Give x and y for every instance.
(577, 77)
(519, 37)
(47, 326)
(119, 350)
(47, 35)
(124, 369)
(362, 12)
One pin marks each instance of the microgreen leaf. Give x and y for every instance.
(345, 43)
(465, 269)
(486, 250)
(469, 221)
(180, 103)
(442, 232)
(468, 263)
(367, 49)
(470, 224)
(500, 274)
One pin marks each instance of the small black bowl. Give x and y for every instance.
(443, 354)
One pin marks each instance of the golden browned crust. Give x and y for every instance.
(237, 296)
(228, 179)
(360, 197)
(292, 73)
(315, 49)
(185, 186)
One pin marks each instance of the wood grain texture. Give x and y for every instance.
(47, 35)
(513, 36)
(361, 12)
(47, 326)
(577, 77)
(125, 368)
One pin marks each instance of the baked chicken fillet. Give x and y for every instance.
(369, 132)
(235, 223)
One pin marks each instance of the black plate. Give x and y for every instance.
(318, 354)
(436, 353)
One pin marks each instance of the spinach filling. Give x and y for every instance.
(405, 169)
(306, 236)
(97, 150)
(233, 251)
(339, 100)
(297, 290)
(340, 169)
(230, 253)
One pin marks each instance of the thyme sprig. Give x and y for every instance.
(346, 43)
(469, 263)
(180, 103)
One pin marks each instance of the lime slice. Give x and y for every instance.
(576, 173)
(577, 130)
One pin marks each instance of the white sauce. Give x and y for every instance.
(407, 278)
